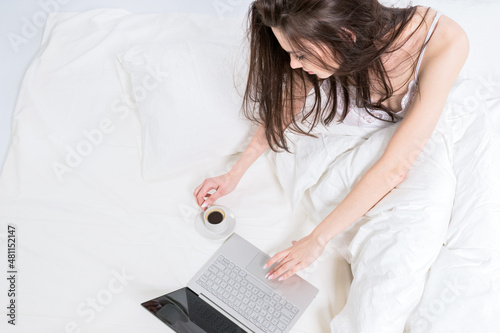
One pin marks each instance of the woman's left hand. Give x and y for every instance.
(301, 254)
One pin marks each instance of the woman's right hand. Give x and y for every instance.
(223, 184)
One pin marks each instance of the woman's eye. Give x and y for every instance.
(299, 57)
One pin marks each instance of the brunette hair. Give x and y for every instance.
(272, 84)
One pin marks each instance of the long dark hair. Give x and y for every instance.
(272, 84)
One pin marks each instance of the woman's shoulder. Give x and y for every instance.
(448, 39)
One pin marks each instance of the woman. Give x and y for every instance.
(370, 61)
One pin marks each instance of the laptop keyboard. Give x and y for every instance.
(242, 292)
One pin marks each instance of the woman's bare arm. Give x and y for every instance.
(227, 182)
(255, 148)
(259, 143)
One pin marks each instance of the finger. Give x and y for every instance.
(281, 268)
(205, 204)
(278, 256)
(197, 192)
(290, 272)
(197, 189)
(207, 186)
(211, 198)
(214, 193)
(293, 242)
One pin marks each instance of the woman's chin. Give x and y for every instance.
(323, 75)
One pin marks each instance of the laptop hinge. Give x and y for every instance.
(243, 326)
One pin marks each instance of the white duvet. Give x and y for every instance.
(425, 257)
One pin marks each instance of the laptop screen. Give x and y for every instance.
(184, 312)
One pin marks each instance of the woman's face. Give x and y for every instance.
(298, 61)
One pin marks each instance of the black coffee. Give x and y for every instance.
(215, 217)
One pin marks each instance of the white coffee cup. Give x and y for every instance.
(216, 218)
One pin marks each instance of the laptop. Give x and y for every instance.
(230, 294)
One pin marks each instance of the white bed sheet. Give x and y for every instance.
(96, 242)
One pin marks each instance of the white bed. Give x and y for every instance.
(96, 241)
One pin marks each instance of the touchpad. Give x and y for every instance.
(255, 267)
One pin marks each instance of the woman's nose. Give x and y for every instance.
(295, 63)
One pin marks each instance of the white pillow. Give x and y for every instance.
(187, 97)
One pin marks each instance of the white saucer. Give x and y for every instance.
(199, 225)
